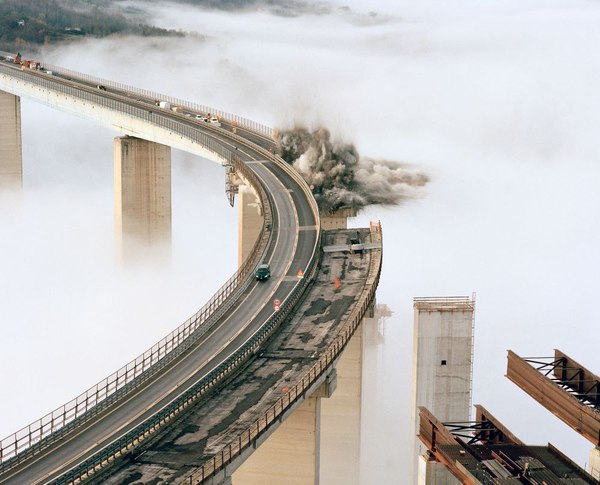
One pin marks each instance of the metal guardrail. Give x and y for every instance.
(273, 414)
(138, 434)
(245, 123)
(46, 430)
(42, 433)
(240, 121)
(135, 436)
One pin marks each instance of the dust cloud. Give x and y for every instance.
(339, 177)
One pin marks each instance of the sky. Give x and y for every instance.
(496, 103)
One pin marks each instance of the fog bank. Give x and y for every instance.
(497, 103)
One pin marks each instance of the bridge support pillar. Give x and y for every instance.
(250, 221)
(11, 165)
(142, 195)
(290, 456)
(341, 418)
(442, 372)
(594, 468)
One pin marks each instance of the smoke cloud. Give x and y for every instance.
(339, 177)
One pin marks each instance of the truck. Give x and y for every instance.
(32, 65)
(164, 104)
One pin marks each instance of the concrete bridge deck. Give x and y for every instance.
(231, 413)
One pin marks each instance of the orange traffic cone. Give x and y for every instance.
(337, 284)
(300, 273)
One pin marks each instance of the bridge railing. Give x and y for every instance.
(46, 430)
(233, 118)
(271, 417)
(212, 378)
(246, 123)
(190, 396)
(298, 392)
(246, 351)
(216, 376)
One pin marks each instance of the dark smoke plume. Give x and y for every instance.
(339, 177)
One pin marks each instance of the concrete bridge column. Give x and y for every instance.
(442, 372)
(11, 166)
(142, 195)
(341, 418)
(290, 456)
(250, 221)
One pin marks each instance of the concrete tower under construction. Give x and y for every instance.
(442, 372)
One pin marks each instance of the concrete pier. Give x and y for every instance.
(142, 195)
(290, 456)
(11, 165)
(442, 372)
(341, 418)
(250, 221)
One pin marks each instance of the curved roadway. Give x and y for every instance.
(295, 237)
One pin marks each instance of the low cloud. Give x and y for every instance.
(339, 177)
(283, 8)
(287, 8)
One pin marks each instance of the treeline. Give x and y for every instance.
(26, 24)
(282, 8)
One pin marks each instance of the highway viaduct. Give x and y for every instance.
(233, 339)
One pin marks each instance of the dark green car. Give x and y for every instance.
(263, 272)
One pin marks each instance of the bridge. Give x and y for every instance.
(238, 335)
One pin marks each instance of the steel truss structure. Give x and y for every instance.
(563, 386)
(484, 452)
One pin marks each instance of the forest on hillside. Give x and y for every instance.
(285, 8)
(27, 24)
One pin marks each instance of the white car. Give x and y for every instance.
(215, 121)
